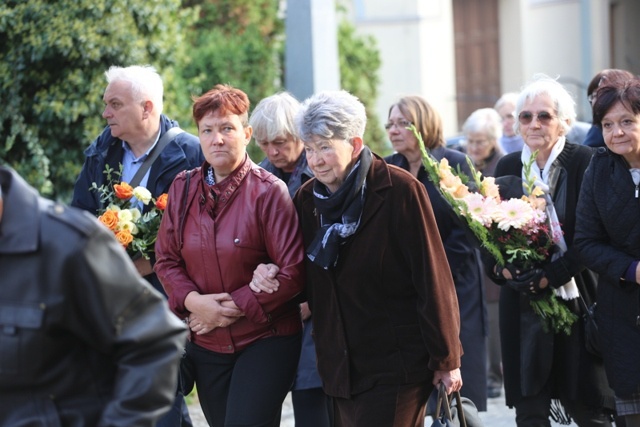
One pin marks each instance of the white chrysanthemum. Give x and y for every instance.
(142, 194)
(513, 213)
(113, 208)
(480, 208)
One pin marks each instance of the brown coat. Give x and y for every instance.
(388, 312)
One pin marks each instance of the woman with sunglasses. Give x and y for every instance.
(608, 236)
(547, 374)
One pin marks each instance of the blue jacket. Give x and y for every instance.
(182, 153)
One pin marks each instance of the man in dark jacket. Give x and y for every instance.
(136, 126)
(85, 341)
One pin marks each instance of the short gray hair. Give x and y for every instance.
(331, 114)
(146, 83)
(274, 117)
(565, 106)
(486, 121)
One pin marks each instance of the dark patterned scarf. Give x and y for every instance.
(340, 212)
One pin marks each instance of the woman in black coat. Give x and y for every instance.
(608, 237)
(540, 366)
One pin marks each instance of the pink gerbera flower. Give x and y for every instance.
(514, 213)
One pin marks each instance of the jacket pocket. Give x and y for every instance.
(19, 327)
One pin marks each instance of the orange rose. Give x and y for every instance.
(123, 191)
(161, 202)
(124, 237)
(110, 219)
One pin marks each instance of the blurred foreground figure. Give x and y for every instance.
(85, 340)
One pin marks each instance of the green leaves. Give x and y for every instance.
(52, 76)
(555, 317)
(54, 55)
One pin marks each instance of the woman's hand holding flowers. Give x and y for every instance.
(531, 283)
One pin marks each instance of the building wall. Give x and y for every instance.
(568, 39)
(415, 40)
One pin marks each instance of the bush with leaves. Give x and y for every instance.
(53, 56)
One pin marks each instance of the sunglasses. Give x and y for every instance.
(526, 117)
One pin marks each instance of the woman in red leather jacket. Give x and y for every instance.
(222, 220)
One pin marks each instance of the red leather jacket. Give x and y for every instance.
(213, 243)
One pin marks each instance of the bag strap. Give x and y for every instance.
(183, 213)
(442, 402)
(153, 155)
(585, 307)
(461, 416)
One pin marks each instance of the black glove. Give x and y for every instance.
(528, 282)
(496, 273)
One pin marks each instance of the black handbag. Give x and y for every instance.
(456, 411)
(186, 374)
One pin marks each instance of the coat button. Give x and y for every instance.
(236, 240)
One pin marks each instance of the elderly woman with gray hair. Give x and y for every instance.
(543, 371)
(482, 131)
(385, 311)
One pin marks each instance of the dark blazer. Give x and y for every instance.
(466, 268)
(387, 313)
(608, 237)
(531, 357)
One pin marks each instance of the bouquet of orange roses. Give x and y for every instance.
(514, 231)
(136, 232)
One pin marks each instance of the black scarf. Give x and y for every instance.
(340, 212)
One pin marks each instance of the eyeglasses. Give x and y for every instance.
(526, 117)
(400, 124)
